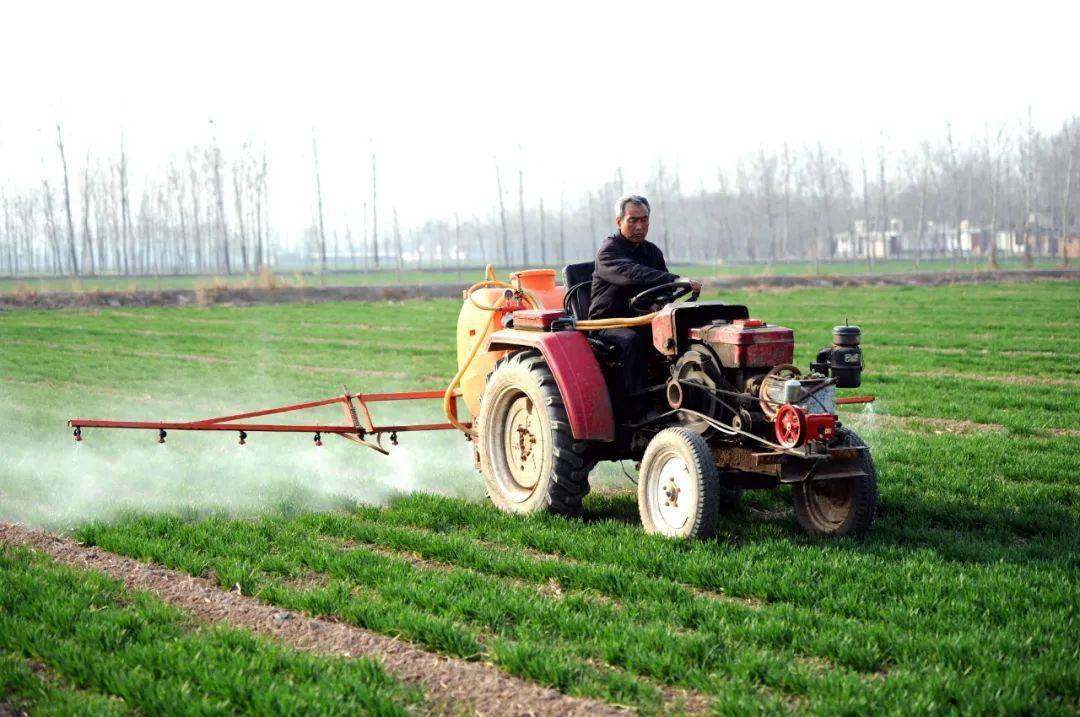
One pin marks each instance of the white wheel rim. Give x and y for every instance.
(673, 495)
(524, 447)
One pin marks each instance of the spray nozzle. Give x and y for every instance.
(77, 433)
(161, 435)
(318, 438)
(393, 438)
(243, 438)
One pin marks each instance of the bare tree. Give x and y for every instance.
(869, 244)
(994, 156)
(543, 236)
(351, 246)
(766, 176)
(883, 190)
(67, 205)
(502, 216)
(1071, 140)
(318, 192)
(661, 191)
(364, 237)
(457, 245)
(924, 188)
(176, 185)
(238, 199)
(50, 228)
(397, 245)
(219, 197)
(11, 252)
(374, 215)
(1028, 176)
(562, 230)
(591, 209)
(521, 215)
(89, 260)
(196, 213)
(785, 233)
(825, 197)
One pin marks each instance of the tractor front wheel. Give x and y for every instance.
(678, 486)
(528, 456)
(839, 506)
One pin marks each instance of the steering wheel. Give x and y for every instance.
(675, 290)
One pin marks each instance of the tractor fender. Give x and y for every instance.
(577, 374)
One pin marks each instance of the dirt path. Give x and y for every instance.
(453, 686)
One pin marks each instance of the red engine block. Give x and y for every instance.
(746, 343)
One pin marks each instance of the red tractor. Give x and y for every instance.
(724, 411)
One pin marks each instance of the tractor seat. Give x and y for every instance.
(578, 280)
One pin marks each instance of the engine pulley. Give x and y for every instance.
(790, 424)
(694, 380)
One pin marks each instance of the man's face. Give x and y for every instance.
(635, 223)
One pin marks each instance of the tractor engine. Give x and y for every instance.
(739, 372)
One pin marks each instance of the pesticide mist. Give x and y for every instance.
(49, 480)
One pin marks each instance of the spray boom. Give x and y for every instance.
(358, 428)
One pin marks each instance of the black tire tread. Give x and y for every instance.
(571, 464)
(864, 499)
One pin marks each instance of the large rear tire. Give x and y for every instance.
(678, 486)
(839, 506)
(528, 455)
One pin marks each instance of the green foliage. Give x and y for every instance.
(963, 599)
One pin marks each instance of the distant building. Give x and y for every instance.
(945, 239)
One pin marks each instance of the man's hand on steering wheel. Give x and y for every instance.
(665, 294)
(695, 284)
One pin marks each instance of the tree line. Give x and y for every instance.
(1012, 191)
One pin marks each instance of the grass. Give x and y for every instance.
(963, 599)
(412, 277)
(117, 652)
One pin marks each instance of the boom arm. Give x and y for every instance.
(358, 428)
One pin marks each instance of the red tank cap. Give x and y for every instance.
(748, 323)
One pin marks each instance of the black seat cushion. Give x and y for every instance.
(578, 280)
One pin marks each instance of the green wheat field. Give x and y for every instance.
(964, 598)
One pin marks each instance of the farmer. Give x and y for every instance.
(626, 265)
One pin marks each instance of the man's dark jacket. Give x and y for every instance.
(624, 269)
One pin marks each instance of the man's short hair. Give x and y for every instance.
(620, 206)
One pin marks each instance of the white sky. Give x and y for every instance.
(568, 90)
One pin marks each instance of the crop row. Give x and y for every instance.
(110, 651)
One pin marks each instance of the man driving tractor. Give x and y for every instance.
(626, 265)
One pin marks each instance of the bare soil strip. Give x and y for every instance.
(919, 423)
(1014, 379)
(453, 686)
(972, 351)
(288, 295)
(943, 425)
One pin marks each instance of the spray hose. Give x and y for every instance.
(490, 281)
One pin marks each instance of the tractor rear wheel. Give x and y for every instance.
(839, 506)
(528, 456)
(678, 485)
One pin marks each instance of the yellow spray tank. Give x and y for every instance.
(482, 312)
